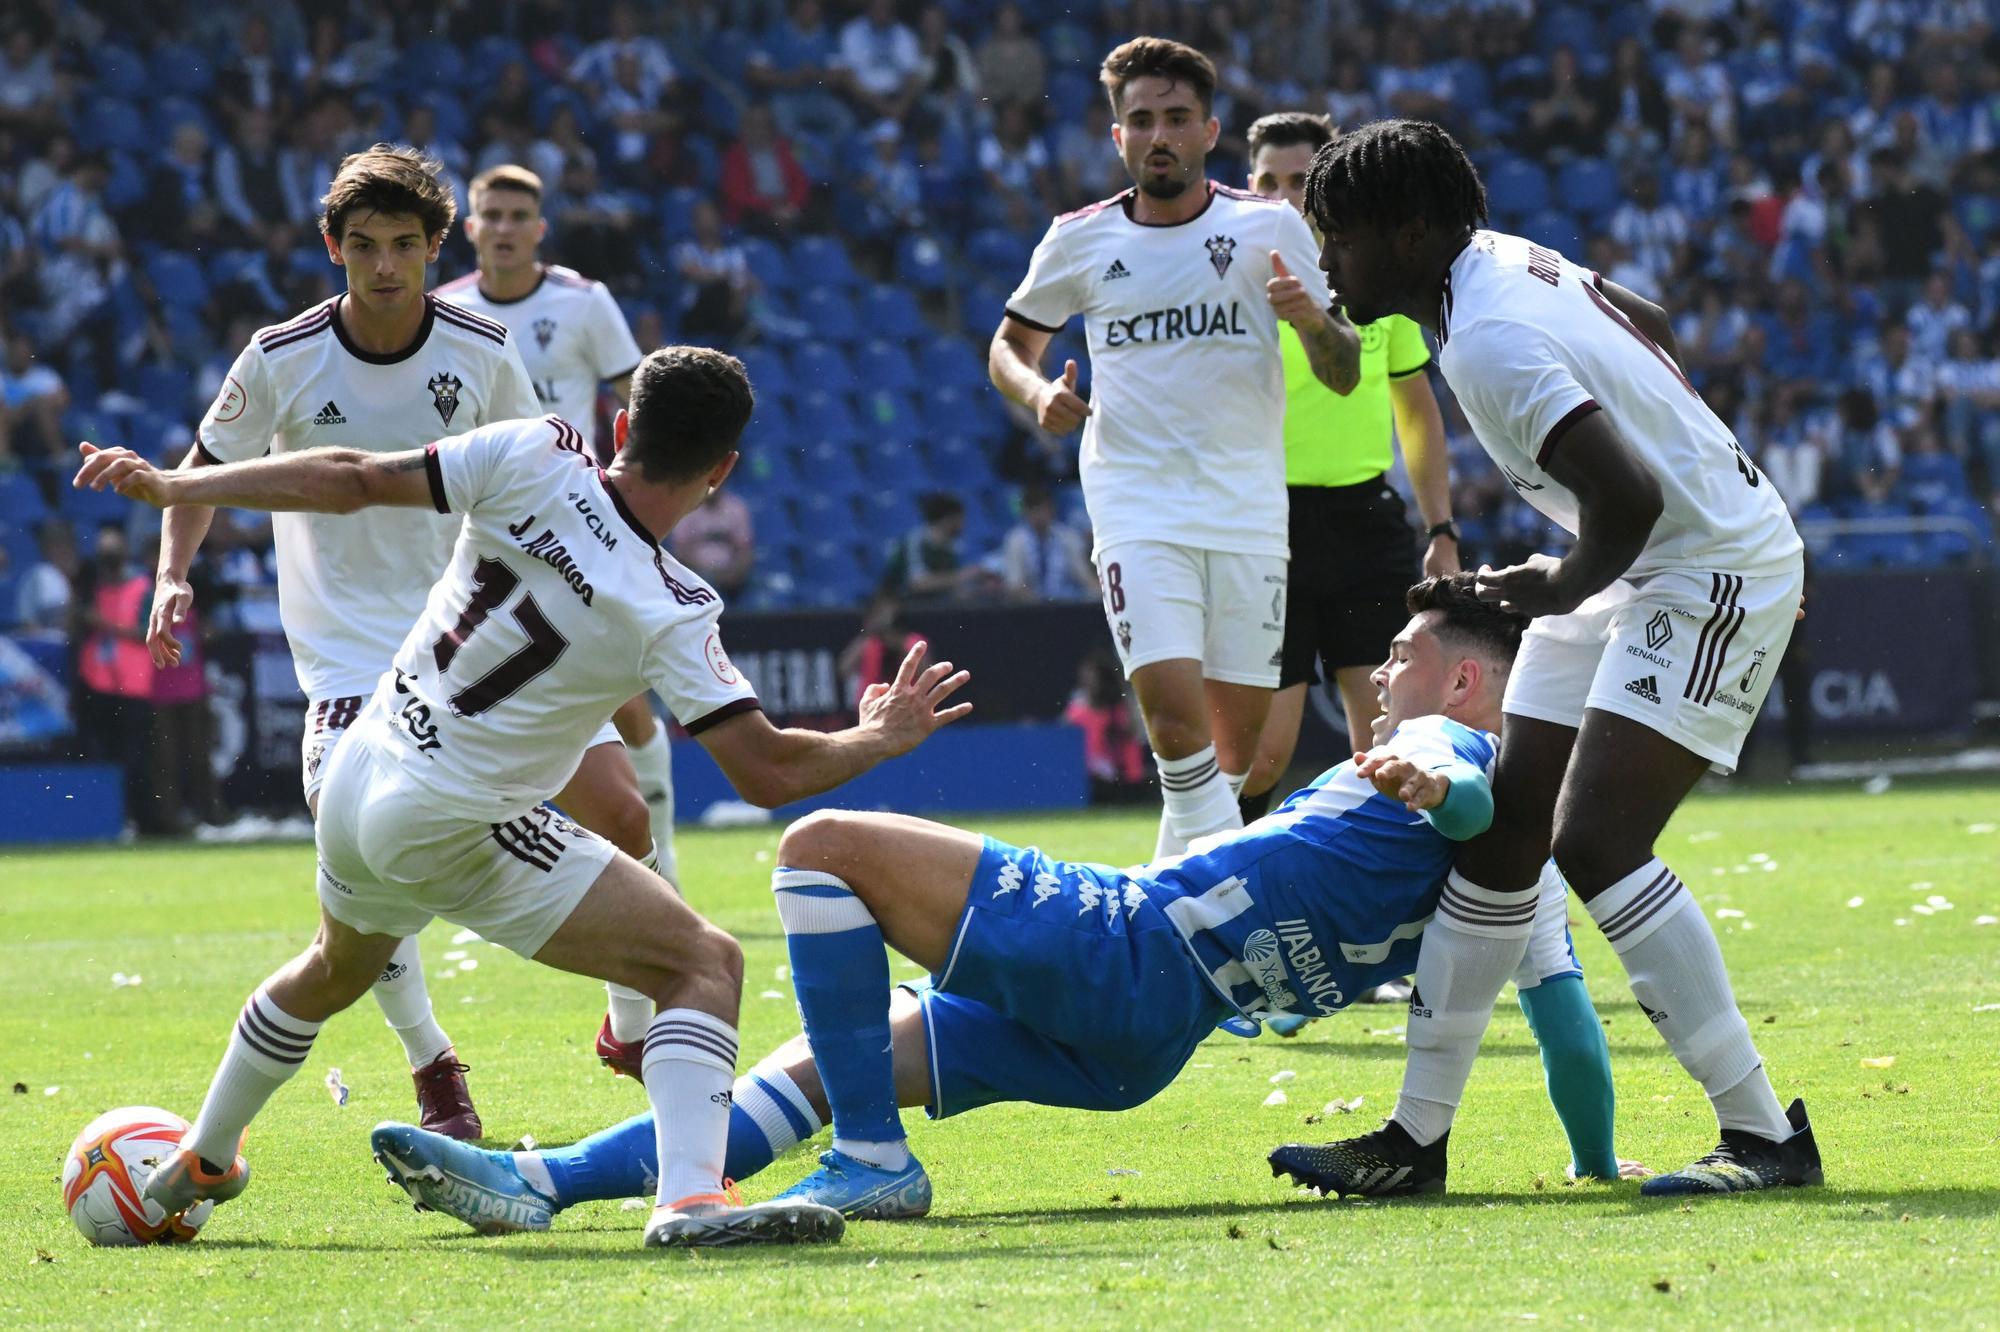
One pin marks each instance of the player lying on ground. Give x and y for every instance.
(1081, 985)
(1657, 638)
(556, 607)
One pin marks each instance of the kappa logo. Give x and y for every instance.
(444, 388)
(545, 332)
(1011, 879)
(1116, 271)
(1659, 631)
(330, 415)
(1646, 687)
(1047, 885)
(1221, 253)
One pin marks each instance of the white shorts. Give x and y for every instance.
(1689, 655)
(1167, 602)
(327, 719)
(1551, 953)
(388, 864)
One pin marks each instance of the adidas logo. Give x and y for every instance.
(330, 415)
(1647, 687)
(1117, 270)
(1653, 1015)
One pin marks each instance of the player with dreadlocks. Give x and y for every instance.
(1654, 643)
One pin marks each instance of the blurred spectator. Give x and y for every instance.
(630, 103)
(42, 599)
(1656, 233)
(798, 64)
(874, 655)
(1015, 162)
(311, 155)
(179, 206)
(1043, 560)
(247, 172)
(1410, 87)
(1012, 65)
(178, 775)
(1902, 387)
(717, 542)
(1909, 214)
(884, 59)
(947, 79)
(652, 69)
(114, 669)
(593, 225)
(1112, 752)
(1087, 165)
(255, 75)
(1934, 319)
(716, 282)
(1864, 454)
(1352, 101)
(1631, 106)
(1699, 89)
(924, 563)
(34, 399)
(1562, 119)
(1788, 453)
(1969, 382)
(763, 186)
(892, 194)
(81, 246)
(28, 88)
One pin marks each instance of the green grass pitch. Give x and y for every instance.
(1844, 955)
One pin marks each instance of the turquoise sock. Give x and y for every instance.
(1577, 1061)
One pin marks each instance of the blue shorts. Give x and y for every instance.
(1064, 987)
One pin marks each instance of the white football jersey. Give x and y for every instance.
(572, 337)
(349, 585)
(1185, 440)
(1531, 346)
(556, 607)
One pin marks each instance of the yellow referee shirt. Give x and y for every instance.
(1336, 441)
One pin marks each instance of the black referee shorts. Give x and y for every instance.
(1354, 555)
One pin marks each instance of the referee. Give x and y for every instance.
(1352, 547)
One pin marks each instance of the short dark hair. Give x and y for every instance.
(1284, 129)
(505, 176)
(937, 505)
(1390, 171)
(687, 411)
(1465, 618)
(1162, 58)
(389, 178)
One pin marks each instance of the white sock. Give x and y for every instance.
(536, 1173)
(1236, 780)
(631, 1012)
(406, 1003)
(1197, 798)
(765, 1093)
(654, 763)
(1470, 948)
(1675, 968)
(689, 1065)
(887, 1155)
(267, 1047)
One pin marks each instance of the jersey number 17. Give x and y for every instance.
(492, 583)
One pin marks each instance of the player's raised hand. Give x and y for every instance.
(1288, 296)
(123, 471)
(1060, 408)
(1399, 779)
(1533, 587)
(906, 711)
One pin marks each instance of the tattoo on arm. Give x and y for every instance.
(404, 462)
(1334, 350)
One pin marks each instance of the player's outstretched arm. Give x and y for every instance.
(314, 481)
(1457, 798)
(1648, 317)
(182, 530)
(1618, 501)
(772, 767)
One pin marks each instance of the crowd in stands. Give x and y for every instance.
(844, 191)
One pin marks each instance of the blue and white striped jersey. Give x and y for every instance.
(1327, 895)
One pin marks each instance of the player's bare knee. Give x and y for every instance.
(821, 840)
(1175, 735)
(629, 827)
(1593, 854)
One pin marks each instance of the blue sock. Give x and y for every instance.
(841, 972)
(768, 1115)
(1577, 1061)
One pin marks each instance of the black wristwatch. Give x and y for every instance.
(1447, 528)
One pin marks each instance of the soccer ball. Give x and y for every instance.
(108, 1165)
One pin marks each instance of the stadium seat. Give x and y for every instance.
(21, 500)
(831, 313)
(891, 419)
(1517, 188)
(1557, 230)
(453, 120)
(920, 263)
(885, 365)
(165, 390)
(822, 367)
(174, 111)
(827, 416)
(431, 64)
(121, 72)
(770, 376)
(182, 69)
(823, 260)
(1590, 186)
(888, 312)
(114, 124)
(178, 280)
(950, 362)
(676, 210)
(998, 254)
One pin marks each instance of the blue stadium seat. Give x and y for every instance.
(676, 210)
(127, 184)
(1557, 230)
(89, 509)
(164, 389)
(821, 367)
(889, 511)
(1589, 185)
(174, 111)
(121, 72)
(488, 57)
(921, 263)
(885, 365)
(949, 361)
(827, 417)
(823, 260)
(183, 69)
(769, 375)
(950, 410)
(114, 124)
(889, 312)
(831, 313)
(453, 120)
(995, 253)
(1517, 188)
(178, 280)
(891, 419)
(431, 64)
(21, 500)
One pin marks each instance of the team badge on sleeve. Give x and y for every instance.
(444, 389)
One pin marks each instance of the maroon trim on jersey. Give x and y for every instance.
(297, 322)
(388, 358)
(1246, 195)
(297, 331)
(1092, 210)
(1020, 318)
(1562, 427)
(625, 510)
(541, 276)
(733, 708)
(1594, 290)
(434, 473)
(460, 317)
(201, 451)
(1127, 199)
(567, 278)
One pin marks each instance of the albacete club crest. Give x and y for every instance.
(545, 332)
(444, 389)
(1221, 253)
